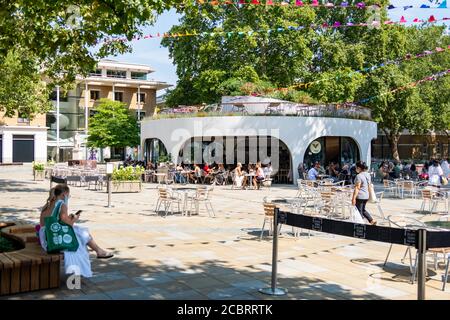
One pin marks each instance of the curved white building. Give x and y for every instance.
(251, 138)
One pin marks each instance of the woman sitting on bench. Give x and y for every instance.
(78, 259)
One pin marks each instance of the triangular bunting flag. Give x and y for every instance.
(443, 5)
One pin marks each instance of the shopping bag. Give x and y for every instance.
(355, 216)
(372, 195)
(444, 181)
(60, 236)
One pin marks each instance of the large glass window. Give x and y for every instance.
(95, 94)
(96, 73)
(341, 150)
(155, 151)
(142, 97)
(116, 74)
(139, 75)
(118, 96)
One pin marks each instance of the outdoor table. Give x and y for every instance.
(250, 177)
(160, 177)
(186, 193)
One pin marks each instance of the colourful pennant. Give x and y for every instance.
(336, 24)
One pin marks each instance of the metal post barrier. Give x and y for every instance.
(421, 264)
(109, 187)
(273, 290)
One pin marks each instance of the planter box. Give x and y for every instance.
(126, 186)
(38, 175)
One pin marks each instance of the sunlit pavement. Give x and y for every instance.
(199, 257)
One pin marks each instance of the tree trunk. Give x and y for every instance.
(393, 143)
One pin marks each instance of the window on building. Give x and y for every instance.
(95, 94)
(116, 74)
(139, 75)
(118, 96)
(22, 118)
(96, 73)
(142, 97)
(142, 115)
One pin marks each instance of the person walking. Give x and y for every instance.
(435, 174)
(361, 192)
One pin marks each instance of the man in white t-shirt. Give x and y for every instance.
(314, 172)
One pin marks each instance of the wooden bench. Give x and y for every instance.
(29, 268)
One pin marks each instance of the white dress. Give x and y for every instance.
(75, 262)
(434, 175)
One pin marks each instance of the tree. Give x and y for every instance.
(66, 38)
(113, 126)
(69, 36)
(416, 108)
(205, 62)
(22, 90)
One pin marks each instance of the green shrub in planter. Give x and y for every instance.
(38, 166)
(128, 174)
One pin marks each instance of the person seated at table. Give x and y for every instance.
(210, 175)
(197, 174)
(313, 173)
(206, 168)
(268, 171)
(239, 176)
(435, 174)
(333, 172)
(150, 166)
(179, 177)
(259, 177)
(220, 175)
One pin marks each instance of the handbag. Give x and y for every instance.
(355, 216)
(60, 236)
(444, 181)
(372, 195)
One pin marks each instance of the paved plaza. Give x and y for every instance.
(199, 257)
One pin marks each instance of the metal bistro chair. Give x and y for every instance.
(401, 221)
(167, 197)
(269, 210)
(432, 198)
(390, 186)
(202, 195)
(409, 187)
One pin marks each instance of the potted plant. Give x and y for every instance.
(127, 179)
(38, 171)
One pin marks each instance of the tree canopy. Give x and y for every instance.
(113, 126)
(247, 52)
(22, 90)
(61, 39)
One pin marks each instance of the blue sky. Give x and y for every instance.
(150, 52)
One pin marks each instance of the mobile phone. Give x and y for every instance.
(78, 212)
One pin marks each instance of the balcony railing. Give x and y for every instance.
(269, 109)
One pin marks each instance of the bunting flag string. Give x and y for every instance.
(335, 25)
(314, 4)
(410, 85)
(407, 57)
